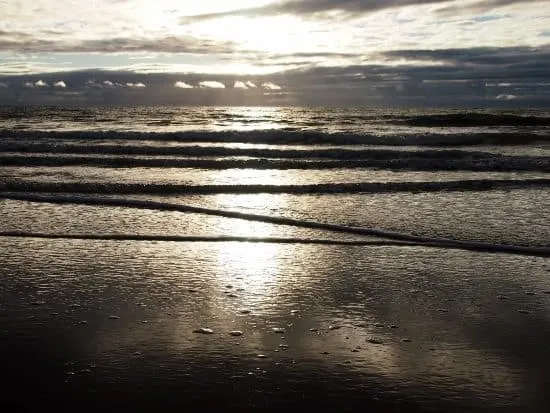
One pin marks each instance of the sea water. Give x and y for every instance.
(95, 296)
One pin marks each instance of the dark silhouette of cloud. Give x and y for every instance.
(169, 44)
(484, 6)
(348, 8)
(512, 76)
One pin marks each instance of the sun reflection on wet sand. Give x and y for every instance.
(252, 266)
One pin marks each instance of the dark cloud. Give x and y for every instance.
(514, 76)
(312, 8)
(348, 8)
(484, 6)
(493, 56)
(169, 44)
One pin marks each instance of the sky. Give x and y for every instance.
(276, 52)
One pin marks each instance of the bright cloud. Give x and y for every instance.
(40, 83)
(251, 84)
(138, 85)
(271, 86)
(60, 84)
(183, 85)
(240, 85)
(211, 84)
(506, 97)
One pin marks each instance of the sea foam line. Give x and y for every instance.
(374, 232)
(201, 238)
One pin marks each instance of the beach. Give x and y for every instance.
(149, 279)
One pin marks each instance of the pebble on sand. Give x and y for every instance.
(261, 356)
(244, 311)
(375, 341)
(406, 340)
(236, 333)
(278, 330)
(204, 330)
(334, 327)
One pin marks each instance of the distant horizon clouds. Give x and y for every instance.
(183, 85)
(211, 84)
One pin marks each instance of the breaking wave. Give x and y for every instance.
(336, 188)
(372, 232)
(400, 161)
(292, 136)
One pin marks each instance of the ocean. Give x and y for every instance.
(267, 257)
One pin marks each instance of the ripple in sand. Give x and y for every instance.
(375, 341)
(261, 356)
(203, 330)
(278, 330)
(244, 311)
(236, 333)
(406, 340)
(524, 311)
(232, 295)
(394, 326)
(113, 317)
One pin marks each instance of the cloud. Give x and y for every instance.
(138, 85)
(108, 83)
(446, 77)
(348, 8)
(271, 86)
(167, 44)
(211, 84)
(506, 97)
(40, 83)
(312, 8)
(240, 85)
(182, 85)
(251, 84)
(60, 84)
(481, 6)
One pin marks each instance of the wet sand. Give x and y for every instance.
(99, 323)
